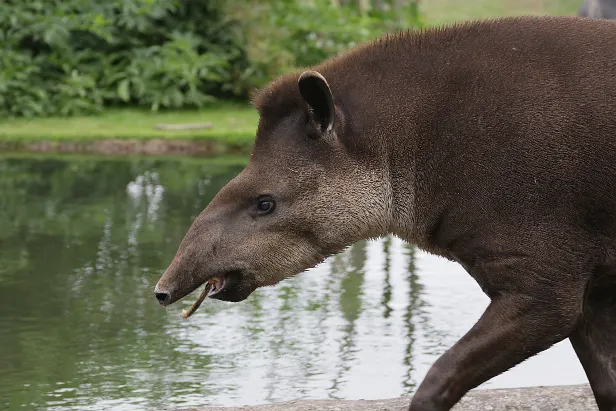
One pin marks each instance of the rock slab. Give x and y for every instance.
(560, 398)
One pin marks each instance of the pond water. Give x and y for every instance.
(84, 240)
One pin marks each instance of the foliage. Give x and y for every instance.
(69, 57)
(288, 34)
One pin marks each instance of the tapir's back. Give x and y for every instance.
(526, 130)
(505, 80)
(511, 120)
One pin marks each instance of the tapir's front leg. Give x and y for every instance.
(529, 312)
(594, 340)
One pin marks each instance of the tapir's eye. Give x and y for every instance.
(265, 205)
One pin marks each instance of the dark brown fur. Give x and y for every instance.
(491, 143)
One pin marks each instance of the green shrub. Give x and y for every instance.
(287, 34)
(65, 57)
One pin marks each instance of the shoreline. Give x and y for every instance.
(126, 146)
(561, 398)
(220, 129)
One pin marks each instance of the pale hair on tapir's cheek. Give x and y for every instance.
(358, 206)
(282, 256)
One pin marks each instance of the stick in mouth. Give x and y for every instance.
(208, 287)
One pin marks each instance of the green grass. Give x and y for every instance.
(438, 12)
(218, 160)
(231, 122)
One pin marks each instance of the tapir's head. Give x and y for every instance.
(308, 191)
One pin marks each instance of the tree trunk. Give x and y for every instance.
(364, 5)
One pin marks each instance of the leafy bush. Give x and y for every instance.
(64, 57)
(287, 34)
(67, 57)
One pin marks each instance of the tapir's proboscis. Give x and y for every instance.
(490, 143)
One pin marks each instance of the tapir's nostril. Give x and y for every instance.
(162, 298)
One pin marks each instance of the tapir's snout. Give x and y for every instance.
(163, 297)
(165, 292)
(178, 280)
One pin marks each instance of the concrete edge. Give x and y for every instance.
(556, 398)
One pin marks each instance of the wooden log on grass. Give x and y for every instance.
(187, 126)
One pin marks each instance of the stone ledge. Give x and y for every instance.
(561, 398)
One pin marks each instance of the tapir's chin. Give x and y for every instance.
(233, 295)
(235, 287)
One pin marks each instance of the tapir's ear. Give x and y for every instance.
(318, 96)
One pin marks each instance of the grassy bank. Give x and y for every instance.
(448, 11)
(231, 122)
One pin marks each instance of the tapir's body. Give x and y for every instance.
(490, 143)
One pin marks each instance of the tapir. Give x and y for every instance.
(491, 143)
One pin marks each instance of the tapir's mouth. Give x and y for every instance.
(214, 287)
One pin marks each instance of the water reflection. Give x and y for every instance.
(82, 243)
(387, 282)
(349, 266)
(413, 310)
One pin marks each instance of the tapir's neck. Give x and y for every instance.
(386, 143)
(391, 102)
